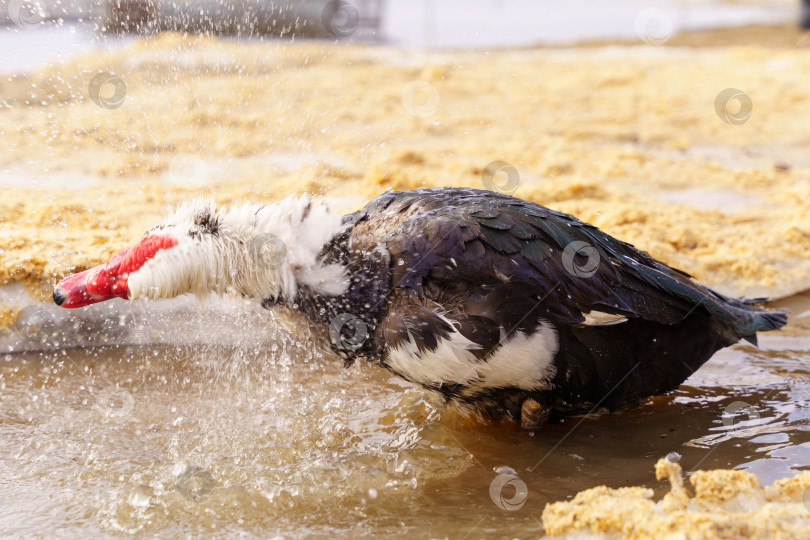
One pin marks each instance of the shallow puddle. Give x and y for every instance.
(273, 438)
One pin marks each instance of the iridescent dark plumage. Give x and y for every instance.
(431, 264)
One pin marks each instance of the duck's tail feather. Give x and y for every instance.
(748, 317)
(766, 321)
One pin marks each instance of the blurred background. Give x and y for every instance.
(66, 27)
(533, 85)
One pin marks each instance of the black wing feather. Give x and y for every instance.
(490, 236)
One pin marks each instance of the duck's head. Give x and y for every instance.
(263, 252)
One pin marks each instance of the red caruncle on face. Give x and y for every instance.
(109, 280)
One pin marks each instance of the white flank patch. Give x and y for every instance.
(599, 318)
(451, 362)
(524, 362)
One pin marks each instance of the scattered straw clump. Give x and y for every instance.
(726, 504)
(614, 135)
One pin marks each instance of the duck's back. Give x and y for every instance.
(492, 300)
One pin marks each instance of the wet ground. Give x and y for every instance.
(266, 436)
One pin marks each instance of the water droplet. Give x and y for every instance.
(503, 469)
(140, 496)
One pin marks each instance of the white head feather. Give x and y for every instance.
(261, 251)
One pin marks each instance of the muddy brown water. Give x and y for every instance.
(254, 434)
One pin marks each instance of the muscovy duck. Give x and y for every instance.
(497, 304)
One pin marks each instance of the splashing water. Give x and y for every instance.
(266, 435)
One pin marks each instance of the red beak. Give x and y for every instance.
(108, 281)
(92, 286)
